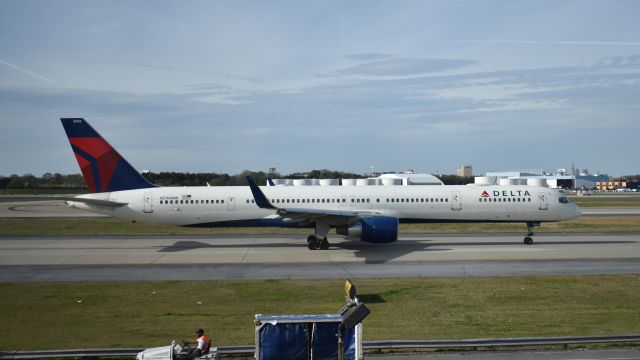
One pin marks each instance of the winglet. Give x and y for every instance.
(258, 195)
(270, 182)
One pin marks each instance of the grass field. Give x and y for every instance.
(610, 201)
(92, 227)
(143, 314)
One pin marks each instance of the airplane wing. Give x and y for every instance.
(306, 215)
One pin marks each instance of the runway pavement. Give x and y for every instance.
(286, 257)
(260, 257)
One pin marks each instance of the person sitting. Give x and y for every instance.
(203, 344)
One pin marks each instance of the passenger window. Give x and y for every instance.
(221, 201)
(247, 201)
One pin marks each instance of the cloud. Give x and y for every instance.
(26, 71)
(118, 63)
(541, 42)
(411, 116)
(367, 56)
(405, 67)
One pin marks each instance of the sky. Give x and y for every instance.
(224, 86)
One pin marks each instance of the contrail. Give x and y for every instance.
(561, 42)
(16, 67)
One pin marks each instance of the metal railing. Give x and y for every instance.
(379, 346)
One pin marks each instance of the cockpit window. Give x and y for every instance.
(563, 200)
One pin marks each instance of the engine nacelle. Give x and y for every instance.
(373, 229)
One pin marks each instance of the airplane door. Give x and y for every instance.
(456, 201)
(231, 204)
(148, 203)
(542, 202)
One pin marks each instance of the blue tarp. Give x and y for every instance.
(325, 342)
(283, 341)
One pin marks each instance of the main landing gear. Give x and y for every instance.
(319, 240)
(528, 240)
(314, 243)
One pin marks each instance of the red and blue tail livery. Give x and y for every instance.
(103, 168)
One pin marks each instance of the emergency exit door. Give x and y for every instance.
(231, 204)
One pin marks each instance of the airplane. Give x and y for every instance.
(368, 213)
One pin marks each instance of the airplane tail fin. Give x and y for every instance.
(103, 168)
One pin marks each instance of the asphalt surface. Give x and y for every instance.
(607, 354)
(286, 257)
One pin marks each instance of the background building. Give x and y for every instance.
(465, 170)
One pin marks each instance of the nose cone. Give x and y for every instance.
(578, 211)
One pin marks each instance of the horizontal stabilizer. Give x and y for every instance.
(96, 202)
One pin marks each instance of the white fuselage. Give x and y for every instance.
(235, 206)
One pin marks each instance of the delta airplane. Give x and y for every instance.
(368, 213)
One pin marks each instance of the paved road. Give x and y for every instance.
(607, 354)
(259, 257)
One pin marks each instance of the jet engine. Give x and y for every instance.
(372, 229)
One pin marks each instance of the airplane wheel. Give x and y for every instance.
(324, 244)
(312, 242)
(528, 241)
